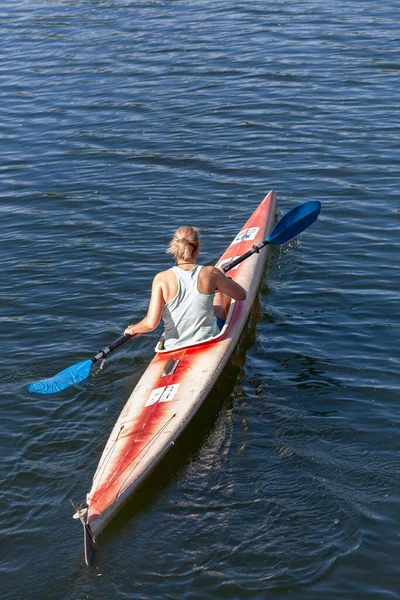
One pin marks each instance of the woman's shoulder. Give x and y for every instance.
(164, 281)
(210, 270)
(209, 273)
(163, 275)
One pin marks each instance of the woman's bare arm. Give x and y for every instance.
(154, 312)
(229, 287)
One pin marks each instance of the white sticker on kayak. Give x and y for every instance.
(246, 234)
(162, 394)
(225, 262)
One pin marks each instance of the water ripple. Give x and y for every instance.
(116, 114)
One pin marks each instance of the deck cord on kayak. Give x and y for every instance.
(142, 452)
(145, 449)
(107, 457)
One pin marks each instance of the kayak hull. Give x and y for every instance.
(174, 386)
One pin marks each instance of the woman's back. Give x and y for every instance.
(189, 315)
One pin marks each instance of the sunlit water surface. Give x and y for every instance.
(120, 121)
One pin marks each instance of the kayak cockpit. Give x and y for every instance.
(160, 344)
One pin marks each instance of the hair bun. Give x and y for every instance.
(185, 243)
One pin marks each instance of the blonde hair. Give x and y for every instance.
(185, 243)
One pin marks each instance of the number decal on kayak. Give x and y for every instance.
(246, 234)
(163, 394)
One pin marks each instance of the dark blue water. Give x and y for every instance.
(120, 121)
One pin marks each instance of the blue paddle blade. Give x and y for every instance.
(294, 222)
(63, 379)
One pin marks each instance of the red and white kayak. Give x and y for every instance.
(173, 387)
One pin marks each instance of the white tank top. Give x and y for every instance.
(189, 316)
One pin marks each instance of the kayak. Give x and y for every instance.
(172, 389)
(177, 381)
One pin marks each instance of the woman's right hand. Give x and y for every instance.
(130, 330)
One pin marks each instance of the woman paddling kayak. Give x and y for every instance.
(191, 299)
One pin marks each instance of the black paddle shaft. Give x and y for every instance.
(293, 223)
(254, 250)
(237, 261)
(103, 353)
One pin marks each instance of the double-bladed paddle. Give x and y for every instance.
(290, 225)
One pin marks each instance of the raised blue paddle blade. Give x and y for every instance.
(74, 374)
(294, 222)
